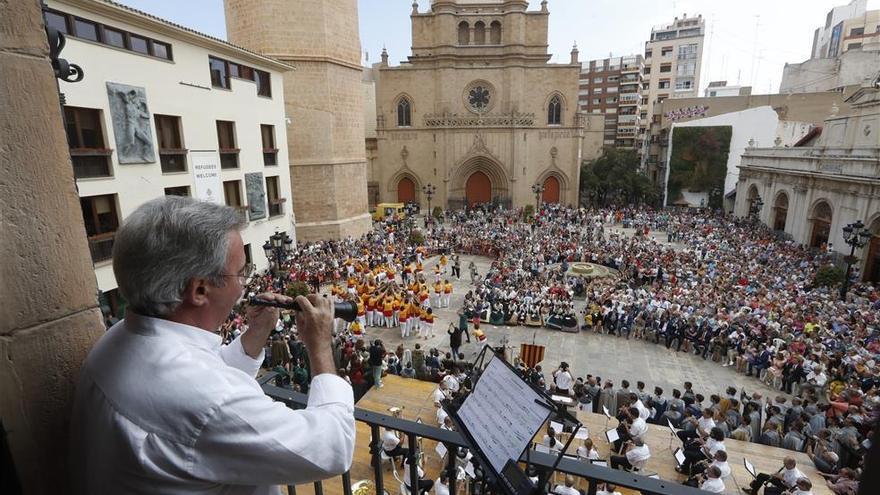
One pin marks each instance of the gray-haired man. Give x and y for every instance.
(162, 407)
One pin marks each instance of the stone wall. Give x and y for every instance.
(49, 318)
(324, 101)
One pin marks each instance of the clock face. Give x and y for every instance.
(479, 97)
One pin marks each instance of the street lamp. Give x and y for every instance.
(538, 189)
(755, 208)
(429, 190)
(278, 250)
(856, 236)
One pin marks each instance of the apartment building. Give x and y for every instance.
(673, 57)
(612, 87)
(846, 52)
(164, 110)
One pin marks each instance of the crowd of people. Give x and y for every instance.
(722, 288)
(834, 431)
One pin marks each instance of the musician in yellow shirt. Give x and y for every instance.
(404, 321)
(447, 294)
(438, 289)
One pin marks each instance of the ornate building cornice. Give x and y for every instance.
(513, 119)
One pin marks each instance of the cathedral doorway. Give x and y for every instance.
(478, 188)
(406, 190)
(551, 190)
(821, 220)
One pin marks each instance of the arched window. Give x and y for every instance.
(479, 33)
(404, 113)
(495, 33)
(464, 33)
(554, 111)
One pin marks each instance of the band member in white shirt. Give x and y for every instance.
(550, 441)
(163, 407)
(606, 489)
(587, 451)
(563, 380)
(441, 486)
(424, 486)
(786, 479)
(713, 482)
(636, 455)
(568, 488)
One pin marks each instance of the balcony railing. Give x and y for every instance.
(90, 162)
(452, 440)
(101, 246)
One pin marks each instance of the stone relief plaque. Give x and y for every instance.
(256, 195)
(131, 123)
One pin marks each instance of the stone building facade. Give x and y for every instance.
(831, 179)
(324, 102)
(478, 112)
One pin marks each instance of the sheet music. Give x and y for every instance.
(606, 412)
(679, 456)
(540, 447)
(502, 415)
(469, 470)
(671, 428)
(583, 433)
(441, 450)
(557, 427)
(612, 435)
(598, 462)
(750, 468)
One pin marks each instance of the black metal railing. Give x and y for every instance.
(452, 440)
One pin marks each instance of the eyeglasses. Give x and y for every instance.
(244, 275)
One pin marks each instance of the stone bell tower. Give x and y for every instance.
(323, 100)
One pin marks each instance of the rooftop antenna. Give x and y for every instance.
(738, 74)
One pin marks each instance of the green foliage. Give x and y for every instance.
(437, 212)
(829, 276)
(528, 212)
(616, 177)
(416, 238)
(699, 162)
(297, 288)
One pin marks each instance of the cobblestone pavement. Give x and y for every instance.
(607, 356)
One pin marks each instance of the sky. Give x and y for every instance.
(747, 41)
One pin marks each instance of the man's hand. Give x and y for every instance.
(261, 321)
(314, 322)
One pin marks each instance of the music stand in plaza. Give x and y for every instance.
(499, 419)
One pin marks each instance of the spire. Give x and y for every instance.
(384, 57)
(574, 54)
(543, 5)
(415, 6)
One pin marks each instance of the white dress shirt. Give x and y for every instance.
(563, 380)
(390, 440)
(723, 466)
(705, 425)
(790, 476)
(638, 428)
(644, 412)
(164, 408)
(440, 488)
(565, 490)
(713, 485)
(583, 454)
(637, 455)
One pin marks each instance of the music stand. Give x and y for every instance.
(499, 419)
(673, 434)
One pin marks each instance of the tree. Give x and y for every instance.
(615, 177)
